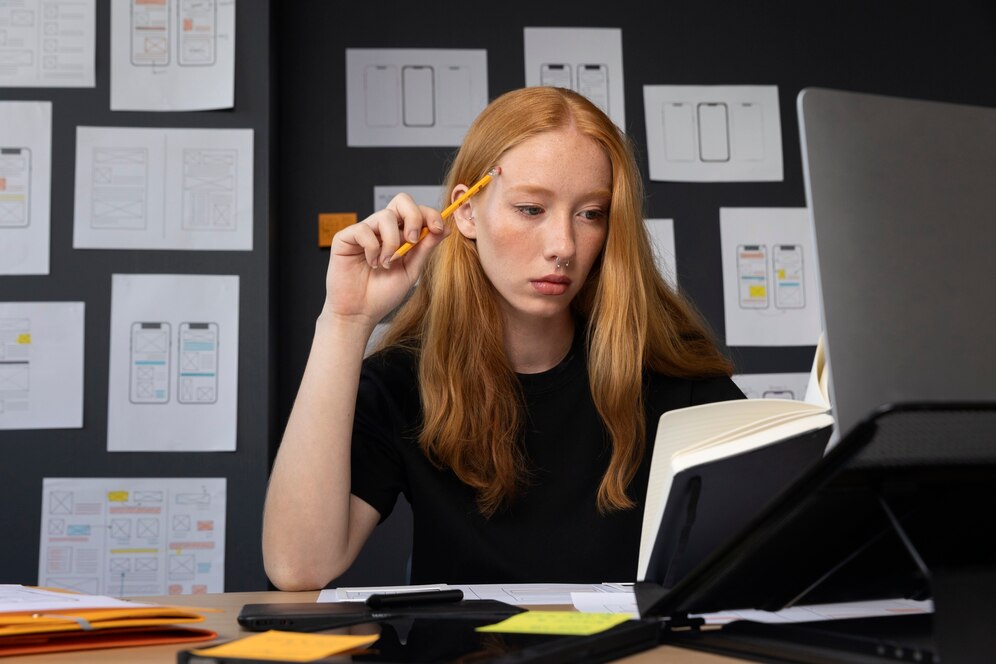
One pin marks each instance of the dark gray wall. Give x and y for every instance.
(917, 49)
(941, 51)
(85, 275)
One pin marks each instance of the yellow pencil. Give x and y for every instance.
(451, 208)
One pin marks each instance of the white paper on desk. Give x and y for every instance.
(41, 365)
(25, 181)
(174, 363)
(611, 602)
(510, 593)
(770, 282)
(47, 44)
(17, 598)
(140, 188)
(172, 55)
(133, 536)
(813, 612)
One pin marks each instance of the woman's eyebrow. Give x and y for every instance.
(527, 189)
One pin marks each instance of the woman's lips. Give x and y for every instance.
(551, 284)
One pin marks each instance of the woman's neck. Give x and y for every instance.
(538, 345)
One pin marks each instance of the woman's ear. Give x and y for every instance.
(464, 215)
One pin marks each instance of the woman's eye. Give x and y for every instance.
(592, 215)
(529, 210)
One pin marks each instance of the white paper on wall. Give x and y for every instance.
(662, 238)
(25, 182)
(773, 385)
(770, 282)
(133, 536)
(413, 97)
(172, 55)
(422, 194)
(142, 188)
(174, 363)
(47, 43)
(719, 133)
(586, 60)
(41, 365)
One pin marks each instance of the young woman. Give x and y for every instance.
(515, 396)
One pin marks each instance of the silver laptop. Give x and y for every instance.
(902, 199)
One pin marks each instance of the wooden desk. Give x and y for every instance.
(224, 623)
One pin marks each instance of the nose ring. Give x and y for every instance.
(565, 263)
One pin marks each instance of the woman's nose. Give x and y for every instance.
(559, 240)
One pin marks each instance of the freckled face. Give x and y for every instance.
(551, 200)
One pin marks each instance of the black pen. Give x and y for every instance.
(383, 600)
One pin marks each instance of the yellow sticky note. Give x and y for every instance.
(24, 338)
(756, 291)
(572, 623)
(117, 496)
(288, 646)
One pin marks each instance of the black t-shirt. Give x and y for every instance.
(553, 532)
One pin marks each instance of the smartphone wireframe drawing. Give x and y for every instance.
(198, 363)
(15, 367)
(593, 83)
(679, 131)
(150, 32)
(790, 293)
(418, 94)
(197, 26)
(15, 187)
(380, 95)
(454, 87)
(747, 132)
(752, 274)
(556, 75)
(714, 131)
(149, 366)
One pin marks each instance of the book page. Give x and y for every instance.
(711, 431)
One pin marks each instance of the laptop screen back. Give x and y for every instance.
(902, 198)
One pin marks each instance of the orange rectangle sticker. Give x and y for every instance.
(330, 223)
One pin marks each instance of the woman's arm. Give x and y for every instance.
(313, 528)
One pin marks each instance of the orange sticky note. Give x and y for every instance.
(330, 223)
(288, 646)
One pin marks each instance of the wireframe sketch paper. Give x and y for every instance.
(586, 60)
(47, 44)
(140, 188)
(174, 363)
(133, 536)
(25, 185)
(698, 435)
(413, 97)
(770, 281)
(172, 55)
(713, 133)
(41, 365)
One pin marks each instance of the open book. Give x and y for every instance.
(720, 461)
